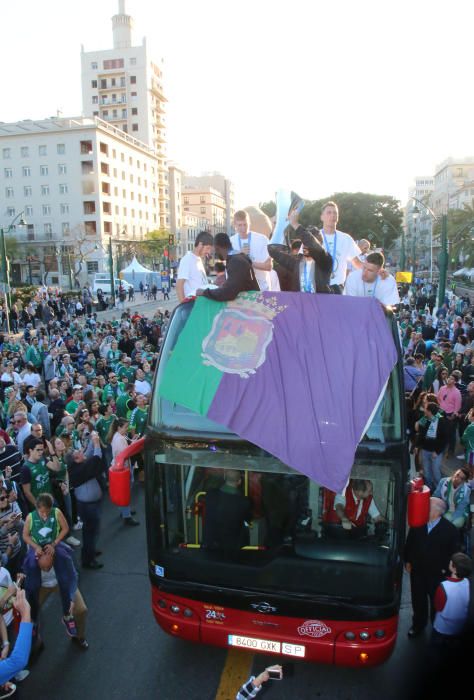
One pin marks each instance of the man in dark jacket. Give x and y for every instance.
(240, 275)
(433, 432)
(309, 271)
(86, 477)
(428, 550)
(227, 512)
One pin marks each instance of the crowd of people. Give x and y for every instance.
(74, 391)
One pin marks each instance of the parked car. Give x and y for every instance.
(102, 283)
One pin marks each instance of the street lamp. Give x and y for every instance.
(5, 264)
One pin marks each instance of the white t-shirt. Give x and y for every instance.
(346, 250)
(142, 387)
(191, 270)
(256, 247)
(384, 290)
(5, 582)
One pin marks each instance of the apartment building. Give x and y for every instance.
(79, 183)
(206, 203)
(223, 185)
(124, 87)
(453, 177)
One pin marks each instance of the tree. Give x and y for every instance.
(268, 208)
(153, 245)
(360, 214)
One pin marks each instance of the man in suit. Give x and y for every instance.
(307, 272)
(240, 275)
(428, 550)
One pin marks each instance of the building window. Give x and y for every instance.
(104, 148)
(86, 147)
(7, 152)
(106, 188)
(27, 191)
(46, 210)
(64, 208)
(65, 228)
(106, 207)
(133, 95)
(186, 200)
(45, 190)
(25, 151)
(63, 189)
(203, 210)
(104, 168)
(87, 167)
(93, 65)
(10, 211)
(90, 227)
(95, 100)
(124, 113)
(122, 82)
(48, 228)
(29, 211)
(114, 114)
(8, 172)
(9, 192)
(62, 169)
(61, 149)
(103, 84)
(42, 151)
(134, 110)
(112, 63)
(133, 79)
(134, 127)
(94, 84)
(43, 170)
(89, 207)
(133, 61)
(95, 114)
(92, 266)
(202, 200)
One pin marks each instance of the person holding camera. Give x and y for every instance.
(253, 686)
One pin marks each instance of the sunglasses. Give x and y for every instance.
(3, 498)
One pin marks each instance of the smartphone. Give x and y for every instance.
(275, 674)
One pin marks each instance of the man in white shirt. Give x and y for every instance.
(191, 271)
(339, 245)
(367, 282)
(255, 246)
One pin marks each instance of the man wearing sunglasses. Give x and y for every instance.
(21, 429)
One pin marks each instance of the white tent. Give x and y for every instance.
(136, 273)
(462, 271)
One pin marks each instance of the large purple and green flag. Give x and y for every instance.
(299, 375)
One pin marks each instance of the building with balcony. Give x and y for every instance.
(124, 87)
(418, 229)
(453, 177)
(205, 203)
(79, 181)
(223, 185)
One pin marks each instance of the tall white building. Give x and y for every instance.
(80, 183)
(124, 87)
(419, 229)
(224, 187)
(453, 177)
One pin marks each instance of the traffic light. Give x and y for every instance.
(171, 239)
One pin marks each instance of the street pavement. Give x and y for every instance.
(130, 657)
(140, 304)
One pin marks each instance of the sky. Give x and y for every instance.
(318, 97)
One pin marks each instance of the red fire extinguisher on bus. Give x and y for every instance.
(119, 474)
(418, 503)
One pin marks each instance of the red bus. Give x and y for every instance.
(266, 566)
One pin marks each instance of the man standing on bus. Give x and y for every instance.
(366, 282)
(191, 271)
(340, 246)
(240, 275)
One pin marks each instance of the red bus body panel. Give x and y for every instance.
(319, 641)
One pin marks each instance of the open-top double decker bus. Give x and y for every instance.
(278, 574)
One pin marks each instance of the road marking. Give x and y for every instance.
(235, 672)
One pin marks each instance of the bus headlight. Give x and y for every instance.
(187, 612)
(380, 634)
(350, 636)
(162, 603)
(175, 609)
(364, 636)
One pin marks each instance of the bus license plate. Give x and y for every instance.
(266, 645)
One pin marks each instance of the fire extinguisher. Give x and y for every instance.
(418, 503)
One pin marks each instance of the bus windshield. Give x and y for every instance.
(169, 417)
(253, 523)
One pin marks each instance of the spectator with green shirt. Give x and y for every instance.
(36, 471)
(125, 369)
(138, 417)
(34, 354)
(114, 388)
(77, 402)
(103, 427)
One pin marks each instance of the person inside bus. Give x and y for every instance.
(227, 514)
(352, 508)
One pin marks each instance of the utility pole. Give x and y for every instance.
(443, 260)
(112, 276)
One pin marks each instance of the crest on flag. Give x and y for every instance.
(240, 335)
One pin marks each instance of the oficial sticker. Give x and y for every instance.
(313, 628)
(159, 571)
